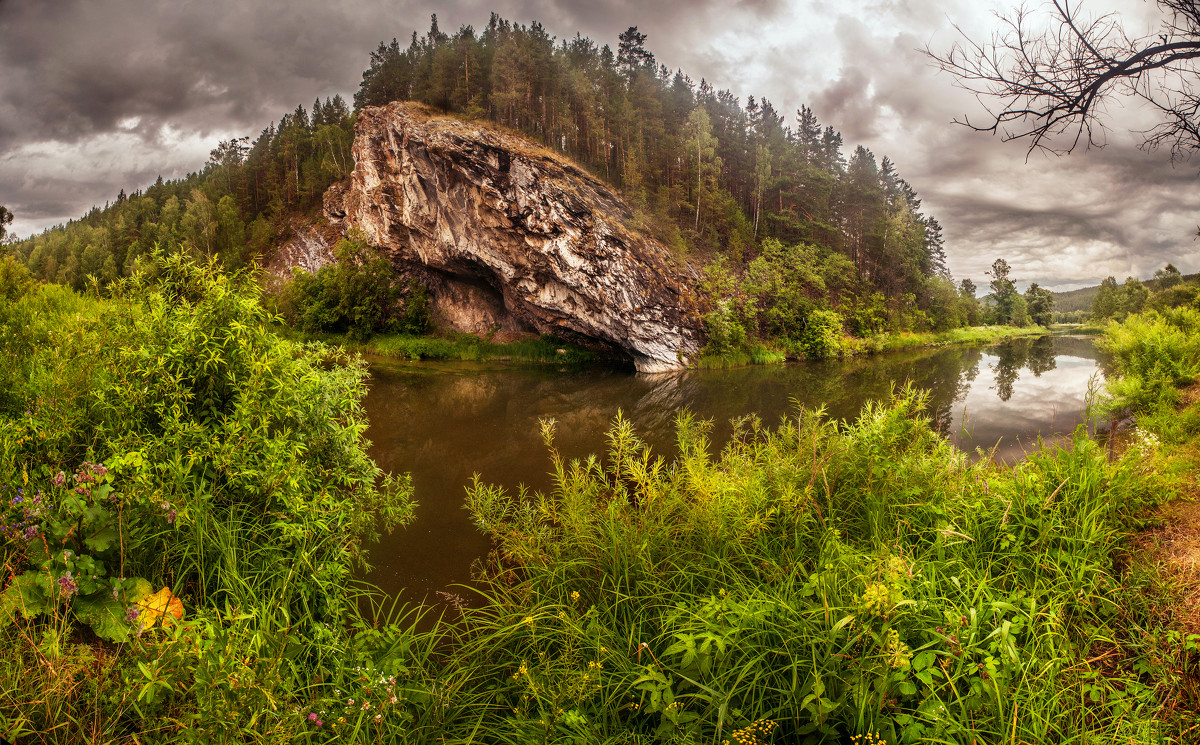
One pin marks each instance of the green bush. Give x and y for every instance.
(168, 439)
(726, 334)
(1154, 353)
(822, 336)
(15, 280)
(360, 295)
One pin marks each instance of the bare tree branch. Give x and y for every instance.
(1050, 87)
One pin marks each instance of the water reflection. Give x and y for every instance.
(1036, 355)
(445, 422)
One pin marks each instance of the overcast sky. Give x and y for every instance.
(100, 95)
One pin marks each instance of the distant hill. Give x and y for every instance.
(1081, 299)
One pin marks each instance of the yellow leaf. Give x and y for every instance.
(161, 605)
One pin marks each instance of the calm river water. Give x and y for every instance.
(443, 422)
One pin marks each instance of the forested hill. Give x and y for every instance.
(1081, 299)
(785, 219)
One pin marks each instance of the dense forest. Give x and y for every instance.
(796, 235)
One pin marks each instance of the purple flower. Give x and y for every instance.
(60, 479)
(67, 584)
(312, 716)
(31, 532)
(132, 614)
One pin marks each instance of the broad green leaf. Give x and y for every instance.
(105, 616)
(102, 540)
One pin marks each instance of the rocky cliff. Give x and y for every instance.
(508, 235)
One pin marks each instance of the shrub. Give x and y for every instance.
(360, 295)
(1154, 353)
(822, 336)
(168, 439)
(726, 334)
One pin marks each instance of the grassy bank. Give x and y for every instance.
(910, 340)
(821, 581)
(780, 350)
(468, 347)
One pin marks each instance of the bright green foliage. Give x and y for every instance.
(834, 579)
(359, 296)
(1155, 353)
(14, 279)
(822, 335)
(208, 456)
(726, 335)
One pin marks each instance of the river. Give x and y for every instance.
(443, 422)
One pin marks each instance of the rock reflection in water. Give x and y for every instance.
(443, 422)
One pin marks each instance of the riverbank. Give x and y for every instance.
(547, 350)
(466, 347)
(911, 340)
(779, 351)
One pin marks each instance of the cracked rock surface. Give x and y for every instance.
(510, 235)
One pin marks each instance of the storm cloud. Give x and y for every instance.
(101, 96)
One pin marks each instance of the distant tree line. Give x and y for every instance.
(1167, 289)
(233, 209)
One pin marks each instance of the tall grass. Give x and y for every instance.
(468, 347)
(1155, 355)
(813, 582)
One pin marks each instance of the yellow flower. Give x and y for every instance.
(575, 595)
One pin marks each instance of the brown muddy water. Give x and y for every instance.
(444, 422)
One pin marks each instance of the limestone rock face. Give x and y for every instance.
(511, 235)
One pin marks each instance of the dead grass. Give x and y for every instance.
(1173, 547)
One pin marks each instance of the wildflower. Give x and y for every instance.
(575, 595)
(877, 600)
(31, 532)
(132, 614)
(528, 620)
(378, 717)
(312, 716)
(320, 723)
(366, 705)
(350, 702)
(67, 584)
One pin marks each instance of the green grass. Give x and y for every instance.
(971, 335)
(543, 350)
(759, 354)
(777, 351)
